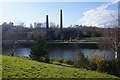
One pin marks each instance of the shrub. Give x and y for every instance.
(93, 65)
(114, 67)
(109, 66)
(61, 60)
(68, 61)
(39, 49)
(47, 59)
(82, 61)
(101, 64)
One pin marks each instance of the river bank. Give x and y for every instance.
(28, 43)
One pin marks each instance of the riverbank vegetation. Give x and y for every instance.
(39, 49)
(16, 67)
(99, 64)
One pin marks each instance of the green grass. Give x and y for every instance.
(16, 67)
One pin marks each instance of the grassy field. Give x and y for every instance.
(16, 67)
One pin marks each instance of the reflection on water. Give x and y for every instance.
(22, 52)
(66, 53)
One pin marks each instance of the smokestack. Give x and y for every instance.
(119, 14)
(61, 23)
(47, 24)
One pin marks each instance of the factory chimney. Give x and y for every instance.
(61, 23)
(47, 24)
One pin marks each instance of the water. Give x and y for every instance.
(71, 53)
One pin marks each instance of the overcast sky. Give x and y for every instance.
(74, 13)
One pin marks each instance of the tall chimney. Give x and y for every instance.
(47, 24)
(61, 23)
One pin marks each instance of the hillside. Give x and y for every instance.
(16, 67)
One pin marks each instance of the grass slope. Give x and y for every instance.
(16, 67)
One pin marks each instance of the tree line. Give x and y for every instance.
(52, 33)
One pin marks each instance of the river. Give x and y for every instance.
(59, 52)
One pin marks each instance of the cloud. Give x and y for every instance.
(104, 6)
(115, 1)
(100, 16)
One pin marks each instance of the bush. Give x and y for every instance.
(101, 64)
(61, 60)
(39, 49)
(114, 67)
(82, 61)
(68, 61)
(93, 65)
(47, 59)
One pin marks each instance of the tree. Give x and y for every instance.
(82, 61)
(31, 26)
(111, 40)
(39, 49)
(21, 24)
(115, 41)
(52, 24)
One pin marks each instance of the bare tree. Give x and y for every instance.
(52, 24)
(22, 24)
(31, 26)
(115, 40)
(111, 40)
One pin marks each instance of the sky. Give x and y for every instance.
(74, 13)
